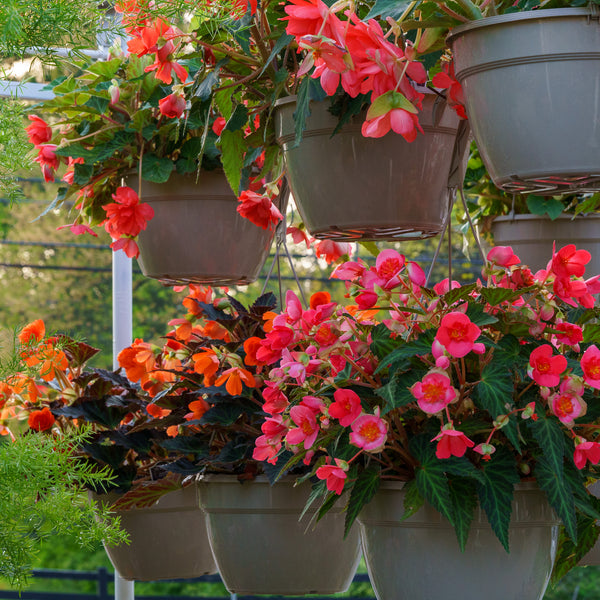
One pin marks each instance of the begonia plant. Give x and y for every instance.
(189, 406)
(462, 392)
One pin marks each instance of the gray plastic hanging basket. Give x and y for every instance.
(197, 235)
(532, 237)
(349, 187)
(531, 82)
(167, 540)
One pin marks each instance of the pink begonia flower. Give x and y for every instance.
(346, 407)
(570, 261)
(275, 400)
(584, 451)
(369, 432)
(567, 407)
(439, 353)
(335, 476)
(265, 449)
(545, 368)
(366, 300)
(443, 287)
(457, 333)
(573, 384)
(416, 273)
(293, 307)
(349, 271)
(503, 256)
(486, 450)
(568, 290)
(274, 427)
(315, 404)
(451, 442)
(434, 392)
(593, 284)
(307, 430)
(388, 265)
(571, 334)
(590, 363)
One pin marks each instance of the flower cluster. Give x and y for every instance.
(455, 385)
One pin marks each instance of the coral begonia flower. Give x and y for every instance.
(334, 475)
(39, 132)
(503, 256)
(346, 408)
(197, 409)
(156, 411)
(32, 332)
(457, 333)
(128, 245)
(585, 451)
(258, 209)
(388, 265)
(41, 420)
(451, 442)
(545, 368)
(434, 392)
(369, 432)
(307, 428)
(455, 97)
(567, 407)
(570, 261)
(233, 379)
(397, 120)
(164, 65)
(127, 216)
(331, 251)
(590, 364)
(172, 106)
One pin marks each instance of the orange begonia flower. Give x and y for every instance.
(268, 319)
(137, 360)
(214, 331)
(173, 430)
(251, 345)
(41, 420)
(197, 408)
(34, 331)
(206, 362)
(157, 412)
(319, 298)
(156, 382)
(233, 380)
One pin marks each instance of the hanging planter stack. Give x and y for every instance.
(349, 187)
(531, 82)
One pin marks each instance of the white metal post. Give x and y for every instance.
(122, 307)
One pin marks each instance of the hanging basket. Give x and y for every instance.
(168, 540)
(419, 558)
(260, 545)
(531, 82)
(532, 237)
(197, 235)
(349, 187)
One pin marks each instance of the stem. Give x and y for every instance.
(471, 10)
(89, 135)
(453, 14)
